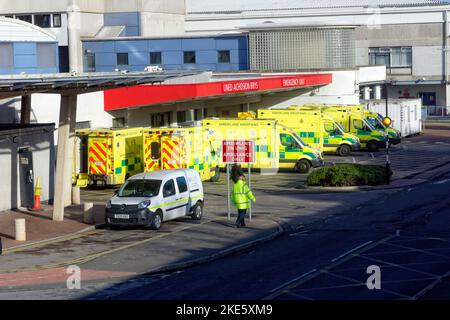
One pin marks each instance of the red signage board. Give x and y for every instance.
(238, 151)
(240, 86)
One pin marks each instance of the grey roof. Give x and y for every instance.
(16, 85)
(238, 6)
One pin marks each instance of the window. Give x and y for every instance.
(359, 125)
(90, 62)
(223, 56)
(140, 188)
(155, 150)
(122, 59)
(182, 184)
(119, 122)
(189, 57)
(46, 53)
(83, 125)
(27, 18)
(42, 20)
(288, 141)
(6, 52)
(11, 17)
(57, 21)
(169, 189)
(155, 58)
(397, 57)
(181, 116)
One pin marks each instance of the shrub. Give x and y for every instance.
(348, 175)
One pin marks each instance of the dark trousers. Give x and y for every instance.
(241, 217)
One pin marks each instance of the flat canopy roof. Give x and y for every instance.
(66, 83)
(147, 95)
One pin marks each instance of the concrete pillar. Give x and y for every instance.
(247, 107)
(190, 115)
(173, 119)
(202, 113)
(377, 92)
(75, 48)
(366, 93)
(25, 110)
(63, 178)
(76, 197)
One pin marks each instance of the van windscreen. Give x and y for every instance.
(140, 188)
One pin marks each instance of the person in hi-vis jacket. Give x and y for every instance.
(241, 197)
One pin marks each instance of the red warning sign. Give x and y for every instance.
(238, 151)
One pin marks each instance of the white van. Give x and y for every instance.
(148, 199)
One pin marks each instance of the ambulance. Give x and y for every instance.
(315, 128)
(276, 146)
(106, 157)
(377, 121)
(180, 148)
(356, 124)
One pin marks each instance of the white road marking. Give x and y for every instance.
(351, 251)
(293, 280)
(442, 181)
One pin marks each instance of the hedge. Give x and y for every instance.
(343, 175)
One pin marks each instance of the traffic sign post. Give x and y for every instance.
(233, 152)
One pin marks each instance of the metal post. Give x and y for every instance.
(250, 187)
(387, 99)
(228, 193)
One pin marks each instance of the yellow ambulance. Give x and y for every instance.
(106, 157)
(315, 128)
(276, 146)
(180, 148)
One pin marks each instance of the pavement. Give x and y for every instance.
(284, 203)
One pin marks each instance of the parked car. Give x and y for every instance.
(149, 199)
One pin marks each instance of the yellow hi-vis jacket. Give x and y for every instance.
(242, 195)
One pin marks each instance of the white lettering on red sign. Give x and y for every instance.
(293, 82)
(240, 86)
(238, 151)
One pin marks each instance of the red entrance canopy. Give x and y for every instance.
(144, 95)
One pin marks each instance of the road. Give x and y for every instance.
(405, 233)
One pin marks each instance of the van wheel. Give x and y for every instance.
(197, 211)
(216, 175)
(372, 146)
(156, 221)
(302, 166)
(344, 150)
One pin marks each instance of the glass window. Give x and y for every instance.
(46, 53)
(7, 54)
(223, 56)
(358, 124)
(90, 62)
(140, 188)
(119, 122)
(122, 59)
(182, 184)
(189, 57)
(391, 57)
(155, 58)
(155, 150)
(169, 189)
(56, 21)
(11, 17)
(42, 20)
(181, 116)
(288, 141)
(26, 18)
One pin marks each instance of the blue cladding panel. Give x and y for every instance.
(131, 32)
(131, 46)
(172, 57)
(165, 45)
(198, 44)
(227, 44)
(25, 61)
(100, 46)
(203, 57)
(139, 58)
(105, 59)
(23, 48)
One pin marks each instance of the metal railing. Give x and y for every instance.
(435, 111)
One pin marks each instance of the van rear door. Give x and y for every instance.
(98, 155)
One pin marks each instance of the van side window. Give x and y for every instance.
(182, 184)
(288, 141)
(169, 189)
(358, 124)
(155, 150)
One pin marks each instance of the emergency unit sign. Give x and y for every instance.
(238, 151)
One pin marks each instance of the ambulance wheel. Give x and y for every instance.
(302, 166)
(216, 175)
(156, 221)
(197, 211)
(344, 150)
(372, 146)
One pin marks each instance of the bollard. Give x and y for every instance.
(20, 230)
(88, 212)
(76, 195)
